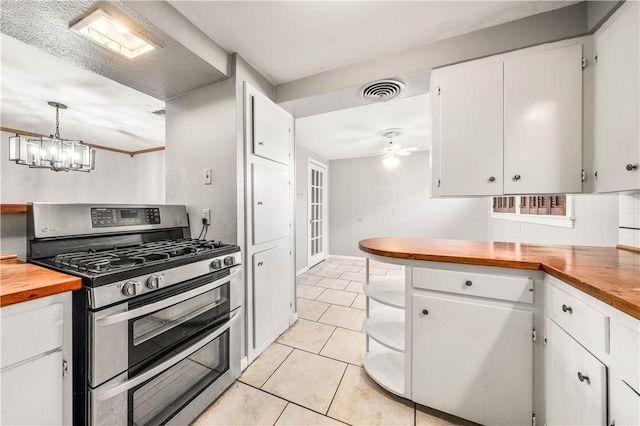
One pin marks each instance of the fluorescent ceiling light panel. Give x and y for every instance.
(103, 29)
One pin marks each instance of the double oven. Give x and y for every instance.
(156, 326)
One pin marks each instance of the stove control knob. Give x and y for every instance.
(154, 281)
(130, 288)
(229, 261)
(216, 264)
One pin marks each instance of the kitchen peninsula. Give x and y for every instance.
(502, 333)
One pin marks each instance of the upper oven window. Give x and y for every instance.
(152, 334)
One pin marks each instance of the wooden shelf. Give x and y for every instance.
(385, 325)
(385, 367)
(386, 290)
(13, 208)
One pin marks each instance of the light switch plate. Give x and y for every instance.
(207, 176)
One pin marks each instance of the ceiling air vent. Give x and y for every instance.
(382, 90)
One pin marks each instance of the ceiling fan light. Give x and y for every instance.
(390, 161)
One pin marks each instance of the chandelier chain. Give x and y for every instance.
(57, 135)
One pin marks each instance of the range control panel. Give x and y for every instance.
(105, 217)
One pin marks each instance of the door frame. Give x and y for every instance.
(318, 164)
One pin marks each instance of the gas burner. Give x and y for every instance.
(152, 257)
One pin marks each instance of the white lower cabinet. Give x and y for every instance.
(473, 360)
(576, 382)
(37, 381)
(271, 290)
(35, 347)
(624, 404)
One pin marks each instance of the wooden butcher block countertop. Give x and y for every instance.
(609, 274)
(20, 281)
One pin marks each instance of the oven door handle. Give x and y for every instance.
(165, 303)
(177, 322)
(149, 374)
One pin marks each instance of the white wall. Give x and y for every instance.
(596, 224)
(302, 198)
(363, 194)
(148, 178)
(201, 133)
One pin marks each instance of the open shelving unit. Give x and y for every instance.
(384, 355)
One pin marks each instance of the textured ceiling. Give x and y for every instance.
(100, 112)
(289, 40)
(167, 72)
(354, 132)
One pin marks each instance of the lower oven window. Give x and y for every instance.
(157, 400)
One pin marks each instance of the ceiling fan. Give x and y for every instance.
(391, 152)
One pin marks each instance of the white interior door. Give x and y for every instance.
(317, 212)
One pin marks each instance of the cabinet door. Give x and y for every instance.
(32, 392)
(271, 130)
(625, 405)
(543, 122)
(616, 97)
(473, 360)
(576, 382)
(270, 203)
(470, 129)
(272, 294)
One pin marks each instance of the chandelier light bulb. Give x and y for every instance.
(390, 161)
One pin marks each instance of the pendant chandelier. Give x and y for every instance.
(53, 153)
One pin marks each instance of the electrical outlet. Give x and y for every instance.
(206, 215)
(207, 176)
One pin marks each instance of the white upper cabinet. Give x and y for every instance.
(271, 131)
(616, 98)
(509, 124)
(270, 203)
(469, 139)
(543, 122)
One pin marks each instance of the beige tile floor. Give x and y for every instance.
(313, 375)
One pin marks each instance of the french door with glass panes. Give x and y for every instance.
(317, 212)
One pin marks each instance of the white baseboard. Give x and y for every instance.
(244, 363)
(338, 256)
(301, 271)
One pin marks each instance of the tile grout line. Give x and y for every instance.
(338, 387)
(283, 410)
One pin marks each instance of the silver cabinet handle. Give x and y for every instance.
(261, 143)
(165, 303)
(468, 283)
(516, 178)
(260, 263)
(492, 179)
(259, 203)
(631, 167)
(566, 308)
(129, 384)
(583, 378)
(425, 312)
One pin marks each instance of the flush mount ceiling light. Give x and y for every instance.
(103, 29)
(53, 153)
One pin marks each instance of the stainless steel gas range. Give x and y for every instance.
(156, 330)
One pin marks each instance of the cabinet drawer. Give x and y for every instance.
(579, 320)
(31, 333)
(625, 349)
(502, 287)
